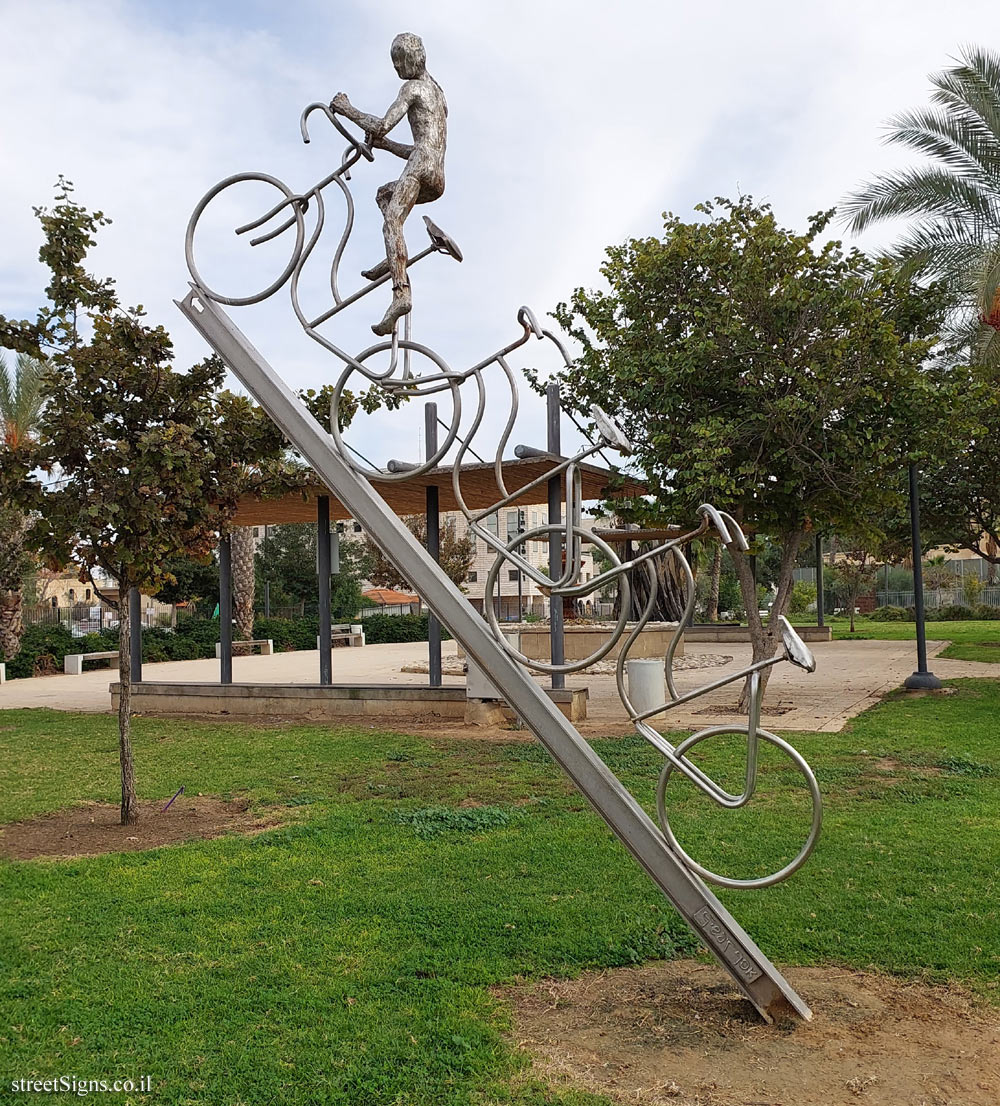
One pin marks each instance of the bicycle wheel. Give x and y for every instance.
(287, 209)
(540, 533)
(713, 877)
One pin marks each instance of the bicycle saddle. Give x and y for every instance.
(443, 242)
(610, 433)
(796, 649)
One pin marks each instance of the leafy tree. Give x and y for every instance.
(148, 458)
(287, 562)
(855, 569)
(191, 580)
(960, 499)
(953, 200)
(458, 550)
(755, 369)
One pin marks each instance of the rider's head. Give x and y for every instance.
(408, 56)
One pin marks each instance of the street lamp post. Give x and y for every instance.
(923, 679)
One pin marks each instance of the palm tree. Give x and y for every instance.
(954, 201)
(20, 405)
(243, 545)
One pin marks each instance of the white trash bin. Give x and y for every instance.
(647, 683)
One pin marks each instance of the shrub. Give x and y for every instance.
(892, 614)
(803, 597)
(288, 634)
(39, 641)
(382, 629)
(956, 612)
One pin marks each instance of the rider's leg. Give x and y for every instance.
(383, 197)
(404, 196)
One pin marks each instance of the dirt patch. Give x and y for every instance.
(678, 1033)
(772, 711)
(95, 828)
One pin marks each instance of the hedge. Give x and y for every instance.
(954, 613)
(43, 647)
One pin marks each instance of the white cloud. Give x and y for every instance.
(572, 126)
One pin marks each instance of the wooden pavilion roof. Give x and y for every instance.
(408, 496)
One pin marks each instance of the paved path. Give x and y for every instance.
(850, 676)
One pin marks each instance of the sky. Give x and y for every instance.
(572, 127)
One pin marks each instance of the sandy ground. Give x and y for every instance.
(93, 828)
(850, 677)
(677, 1034)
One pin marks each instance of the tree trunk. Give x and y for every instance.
(671, 593)
(130, 804)
(765, 639)
(243, 581)
(11, 624)
(713, 591)
(12, 529)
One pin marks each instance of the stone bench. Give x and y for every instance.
(353, 633)
(266, 646)
(3, 673)
(73, 662)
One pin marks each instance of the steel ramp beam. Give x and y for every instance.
(721, 934)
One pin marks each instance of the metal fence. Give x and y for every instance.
(91, 618)
(961, 567)
(935, 598)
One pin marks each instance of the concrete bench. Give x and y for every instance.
(73, 662)
(266, 646)
(3, 673)
(351, 632)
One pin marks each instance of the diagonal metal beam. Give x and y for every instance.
(721, 934)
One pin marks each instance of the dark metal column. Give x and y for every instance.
(225, 611)
(135, 629)
(819, 582)
(433, 545)
(923, 678)
(557, 639)
(324, 567)
(267, 582)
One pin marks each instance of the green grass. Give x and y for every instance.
(970, 641)
(348, 956)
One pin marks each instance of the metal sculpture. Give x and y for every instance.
(390, 366)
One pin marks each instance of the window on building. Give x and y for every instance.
(357, 528)
(492, 524)
(55, 601)
(512, 574)
(72, 593)
(472, 577)
(88, 593)
(514, 524)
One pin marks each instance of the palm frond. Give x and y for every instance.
(985, 274)
(6, 391)
(985, 346)
(973, 85)
(923, 191)
(963, 144)
(21, 396)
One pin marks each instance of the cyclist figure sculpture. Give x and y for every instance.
(422, 102)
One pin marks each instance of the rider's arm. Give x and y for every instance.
(372, 124)
(400, 149)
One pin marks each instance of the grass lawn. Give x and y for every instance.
(970, 641)
(348, 956)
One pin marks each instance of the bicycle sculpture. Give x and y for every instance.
(406, 370)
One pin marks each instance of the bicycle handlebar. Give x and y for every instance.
(359, 144)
